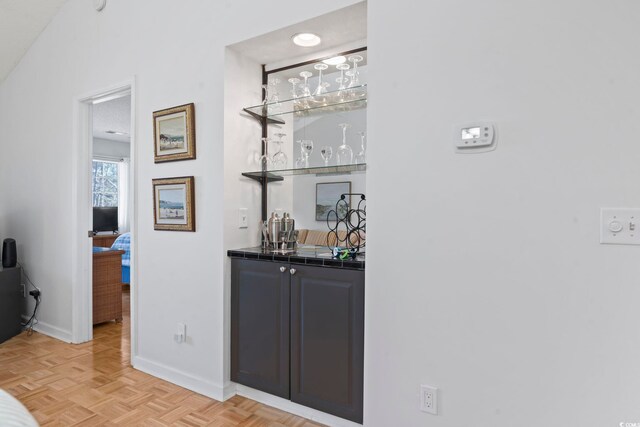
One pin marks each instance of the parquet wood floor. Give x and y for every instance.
(93, 384)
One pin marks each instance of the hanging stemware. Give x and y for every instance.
(320, 68)
(274, 97)
(264, 162)
(354, 73)
(279, 159)
(306, 91)
(322, 86)
(344, 156)
(361, 157)
(294, 91)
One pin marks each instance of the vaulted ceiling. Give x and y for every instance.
(21, 22)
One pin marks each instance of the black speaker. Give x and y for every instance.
(9, 253)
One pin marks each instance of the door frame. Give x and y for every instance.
(82, 258)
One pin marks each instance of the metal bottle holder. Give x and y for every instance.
(353, 222)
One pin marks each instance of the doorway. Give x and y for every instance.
(110, 166)
(105, 265)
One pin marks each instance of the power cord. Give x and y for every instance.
(35, 293)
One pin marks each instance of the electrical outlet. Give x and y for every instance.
(429, 399)
(24, 290)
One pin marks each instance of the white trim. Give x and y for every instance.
(197, 384)
(294, 408)
(50, 330)
(82, 263)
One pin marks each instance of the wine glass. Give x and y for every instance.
(322, 88)
(343, 80)
(305, 86)
(344, 156)
(274, 98)
(273, 92)
(294, 83)
(279, 159)
(361, 157)
(264, 161)
(355, 81)
(294, 91)
(326, 152)
(306, 147)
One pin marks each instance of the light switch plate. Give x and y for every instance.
(619, 226)
(243, 218)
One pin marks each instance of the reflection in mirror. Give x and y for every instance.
(297, 194)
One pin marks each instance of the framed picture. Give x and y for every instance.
(174, 133)
(327, 195)
(174, 204)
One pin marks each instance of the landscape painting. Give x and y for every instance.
(174, 204)
(327, 195)
(174, 133)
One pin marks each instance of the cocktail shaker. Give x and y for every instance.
(280, 233)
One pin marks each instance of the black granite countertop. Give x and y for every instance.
(305, 255)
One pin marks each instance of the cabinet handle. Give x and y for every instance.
(283, 269)
(292, 271)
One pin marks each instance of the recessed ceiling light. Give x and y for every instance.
(115, 132)
(335, 60)
(306, 39)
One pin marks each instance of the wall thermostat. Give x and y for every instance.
(475, 138)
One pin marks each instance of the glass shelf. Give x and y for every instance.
(338, 100)
(278, 175)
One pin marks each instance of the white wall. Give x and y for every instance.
(81, 52)
(113, 149)
(502, 296)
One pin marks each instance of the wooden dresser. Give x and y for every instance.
(107, 285)
(104, 240)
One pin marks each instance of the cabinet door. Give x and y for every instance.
(260, 325)
(327, 340)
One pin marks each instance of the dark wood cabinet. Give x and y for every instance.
(297, 332)
(327, 340)
(260, 326)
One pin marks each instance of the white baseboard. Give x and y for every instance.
(199, 385)
(293, 408)
(50, 330)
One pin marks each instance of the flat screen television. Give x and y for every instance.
(105, 219)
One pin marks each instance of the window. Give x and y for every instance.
(105, 183)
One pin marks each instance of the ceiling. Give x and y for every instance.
(21, 22)
(337, 29)
(113, 116)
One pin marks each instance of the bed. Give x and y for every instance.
(13, 413)
(123, 243)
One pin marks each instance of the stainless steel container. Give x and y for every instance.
(280, 233)
(273, 228)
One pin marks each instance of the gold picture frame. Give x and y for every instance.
(174, 207)
(174, 134)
